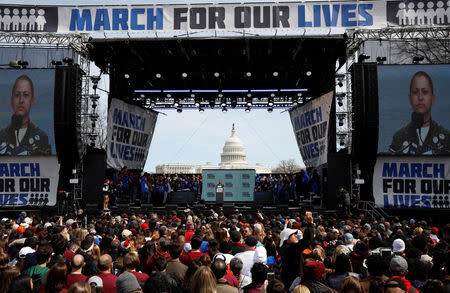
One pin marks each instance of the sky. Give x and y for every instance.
(191, 137)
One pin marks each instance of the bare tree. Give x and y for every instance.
(287, 166)
(436, 51)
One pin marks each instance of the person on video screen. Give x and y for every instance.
(21, 137)
(422, 135)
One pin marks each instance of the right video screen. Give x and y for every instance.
(414, 109)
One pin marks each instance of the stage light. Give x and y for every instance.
(249, 95)
(201, 110)
(192, 95)
(380, 60)
(270, 110)
(184, 75)
(67, 60)
(126, 75)
(363, 57)
(56, 63)
(275, 73)
(142, 96)
(417, 59)
(247, 110)
(299, 94)
(272, 95)
(308, 73)
(224, 102)
(196, 102)
(248, 74)
(224, 110)
(179, 110)
(168, 95)
(249, 102)
(176, 102)
(158, 75)
(270, 103)
(220, 95)
(216, 74)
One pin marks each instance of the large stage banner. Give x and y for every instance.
(129, 135)
(413, 109)
(412, 182)
(310, 123)
(26, 112)
(28, 181)
(173, 19)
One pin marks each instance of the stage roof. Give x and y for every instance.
(141, 71)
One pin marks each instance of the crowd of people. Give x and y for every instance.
(208, 252)
(127, 186)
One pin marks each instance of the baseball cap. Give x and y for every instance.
(398, 264)
(126, 233)
(95, 280)
(24, 251)
(398, 246)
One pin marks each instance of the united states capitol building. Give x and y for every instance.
(233, 157)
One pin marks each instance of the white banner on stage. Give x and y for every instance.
(310, 123)
(28, 180)
(196, 20)
(412, 182)
(130, 133)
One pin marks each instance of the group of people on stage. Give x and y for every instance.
(127, 186)
(208, 251)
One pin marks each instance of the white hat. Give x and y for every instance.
(24, 251)
(398, 246)
(28, 220)
(284, 235)
(187, 247)
(126, 233)
(46, 225)
(5, 220)
(25, 225)
(69, 222)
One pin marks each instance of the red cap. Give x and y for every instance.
(317, 267)
(144, 226)
(434, 230)
(20, 230)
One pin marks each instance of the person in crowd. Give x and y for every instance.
(174, 265)
(77, 263)
(132, 264)
(38, 271)
(313, 277)
(236, 266)
(127, 283)
(195, 253)
(291, 249)
(259, 276)
(236, 245)
(249, 256)
(80, 287)
(105, 265)
(399, 269)
(96, 284)
(203, 281)
(219, 269)
(55, 281)
(22, 284)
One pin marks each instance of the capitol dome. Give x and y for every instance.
(233, 151)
